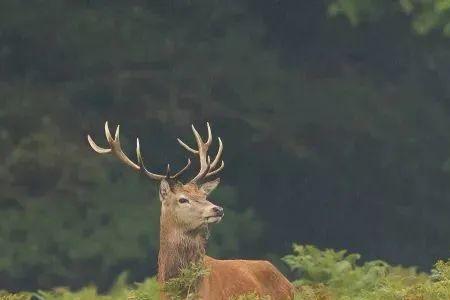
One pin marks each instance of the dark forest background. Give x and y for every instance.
(335, 117)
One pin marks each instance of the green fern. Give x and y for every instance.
(251, 296)
(20, 296)
(184, 286)
(335, 275)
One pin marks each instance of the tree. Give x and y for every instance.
(426, 15)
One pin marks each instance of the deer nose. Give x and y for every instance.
(218, 210)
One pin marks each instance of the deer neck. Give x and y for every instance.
(178, 249)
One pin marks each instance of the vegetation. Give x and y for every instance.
(329, 274)
(426, 15)
(336, 271)
(147, 290)
(184, 286)
(336, 134)
(321, 275)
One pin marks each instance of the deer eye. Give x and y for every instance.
(183, 200)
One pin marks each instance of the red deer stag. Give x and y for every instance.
(186, 213)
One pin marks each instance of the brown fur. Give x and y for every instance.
(177, 249)
(226, 278)
(231, 278)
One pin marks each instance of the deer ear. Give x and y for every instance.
(209, 186)
(164, 190)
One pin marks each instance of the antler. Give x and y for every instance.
(206, 166)
(116, 150)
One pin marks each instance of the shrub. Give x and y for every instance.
(336, 269)
(183, 286)
(335, 275)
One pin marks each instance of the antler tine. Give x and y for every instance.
(198, 138)
(206, 165)
(209, 141)
(222, 165)
(216, 160)
(168, 170)
(115, 147)
(218, 155)
(202, 153)
(108, 133)
(95, 147)
(187, 147)
(182, 170)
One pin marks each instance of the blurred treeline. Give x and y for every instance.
(335, 134)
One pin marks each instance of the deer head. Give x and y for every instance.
(185, 206)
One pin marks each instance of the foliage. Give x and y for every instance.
(333, 275)
(395, 286)
(426, 15)
(183, 287)
(321, 275)
(19, 296)
(335, 269)
(313, 292)
(147, 290)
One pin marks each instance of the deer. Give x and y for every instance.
(186, 214)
